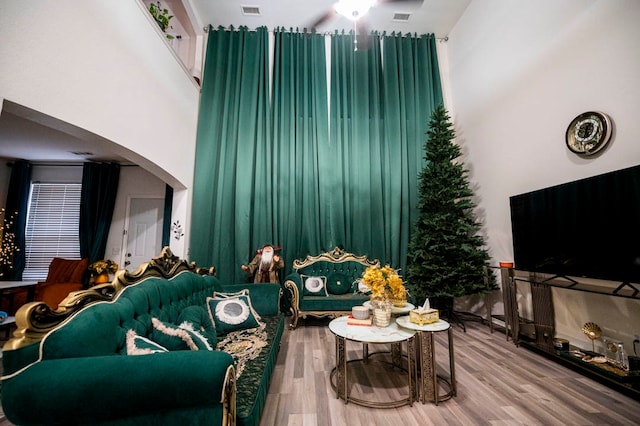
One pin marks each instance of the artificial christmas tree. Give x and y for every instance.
(447, 255)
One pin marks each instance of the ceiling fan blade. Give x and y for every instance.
(400, 1)
(324, 18)
(363, 36)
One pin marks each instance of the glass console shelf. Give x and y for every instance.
(609, 288)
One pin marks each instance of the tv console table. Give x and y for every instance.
(544, 322)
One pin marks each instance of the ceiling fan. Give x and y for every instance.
(356, 11)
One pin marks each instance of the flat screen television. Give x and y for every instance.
(586, 228)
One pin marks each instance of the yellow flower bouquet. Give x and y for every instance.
(103, 266)
(101, 269)
(385, 283)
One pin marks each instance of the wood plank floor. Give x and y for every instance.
(498, 384)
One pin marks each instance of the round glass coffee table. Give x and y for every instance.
(426, 359)
(394, 335)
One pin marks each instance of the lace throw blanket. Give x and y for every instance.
(244, 345)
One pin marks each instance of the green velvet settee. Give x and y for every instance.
(105, 356)
(326, 285)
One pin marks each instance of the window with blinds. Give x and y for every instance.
(53, 221)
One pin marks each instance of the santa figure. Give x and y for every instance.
(265, 265)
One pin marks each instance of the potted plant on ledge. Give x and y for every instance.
(162, 16)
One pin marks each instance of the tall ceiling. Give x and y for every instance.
(428, 16)
(36, 137)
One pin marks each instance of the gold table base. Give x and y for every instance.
(428, 380)
(339, 377)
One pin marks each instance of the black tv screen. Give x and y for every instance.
(587, 228)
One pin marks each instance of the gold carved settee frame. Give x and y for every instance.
(35, 319)
(337, 255)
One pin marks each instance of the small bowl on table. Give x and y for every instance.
(360, 312)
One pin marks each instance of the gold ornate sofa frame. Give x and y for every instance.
(35, 319)
(338, 257)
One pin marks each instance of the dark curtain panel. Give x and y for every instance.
(353, 169)
(301, 144)
(411, 91)
(166, 221)
(232, 211)
(17, 203)
(381, 101)
(97, 199)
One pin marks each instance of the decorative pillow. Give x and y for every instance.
(221, 295)
(314, 286)
(198, 319)
(338, 283)
(138, 345)
(232, 314)
(360, 287)
(175, 338)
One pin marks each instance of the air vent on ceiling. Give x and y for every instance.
(82, 153)
(401, 17)
(251, 10)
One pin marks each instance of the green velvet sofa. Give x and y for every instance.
(74, 365)
(338, 272)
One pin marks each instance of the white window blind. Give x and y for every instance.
(53, 220)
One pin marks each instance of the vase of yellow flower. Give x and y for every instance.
(101, 270)
(384, 282)
(386, 289)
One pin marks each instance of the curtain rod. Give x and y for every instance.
(206, 30)
(53, 164)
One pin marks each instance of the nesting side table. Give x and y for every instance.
(426, 359)
(393, 335)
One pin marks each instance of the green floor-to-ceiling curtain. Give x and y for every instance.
(381, 101)
(355, 199)
(412, 90)
(301, 141)
(278, 172)
(231, 211)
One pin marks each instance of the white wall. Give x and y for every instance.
(518, 73)
(105, 67)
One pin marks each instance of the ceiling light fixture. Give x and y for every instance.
(353, 9)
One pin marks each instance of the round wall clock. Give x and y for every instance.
(588, 133)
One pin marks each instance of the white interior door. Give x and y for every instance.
(143, 231)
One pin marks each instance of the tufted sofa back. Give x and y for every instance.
(100, 328)
(352, 270)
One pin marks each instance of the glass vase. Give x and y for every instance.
(382, 314)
